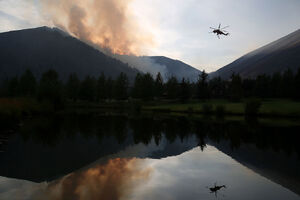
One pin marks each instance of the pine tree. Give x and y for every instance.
(13, 87)
(235, 88)
(296, 93)
(101, 89)
(109, 86)
(172, 88)
(248, 86)
(217, 87)
(120, 90)
(143, 86)
(73, 87)
(137, 87)
(50, 89)
(287, 83)
(88, 89)
(202, 86)
(276, 89)
(184, 91)
(262, 86)
(28, 84)
(158, 86)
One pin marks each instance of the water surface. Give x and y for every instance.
(118, 157)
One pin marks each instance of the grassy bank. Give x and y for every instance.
(19, 107)
(269, 107)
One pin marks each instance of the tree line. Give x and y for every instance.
(147, 87)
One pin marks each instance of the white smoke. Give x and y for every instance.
(143, 64)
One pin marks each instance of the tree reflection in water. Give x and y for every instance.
(276, 137)
(55, 146)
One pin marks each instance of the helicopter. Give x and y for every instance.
(219, 31)
(216, 188)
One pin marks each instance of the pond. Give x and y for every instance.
(150, 157)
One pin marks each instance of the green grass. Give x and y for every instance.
(269, 107)
(280, 107)
(18, 107)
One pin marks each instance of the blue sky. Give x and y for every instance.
(179, 28)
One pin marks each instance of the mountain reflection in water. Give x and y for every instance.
(149, 158)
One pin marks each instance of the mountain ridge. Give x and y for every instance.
(177, 68)
(43, 48)
(277, 56)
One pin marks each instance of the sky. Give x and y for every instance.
(178, 29)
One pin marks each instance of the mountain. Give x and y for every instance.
(44, 48)
(176, 68)
(166, 66)
(274, 57)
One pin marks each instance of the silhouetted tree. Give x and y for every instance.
(217, 87)
(109, 86)
(184, 93)
(50, 89)
(287, 83)
(296, 93)
(101, 87)
(202, 86)
(235, 88)
(143, 86)
(276, 89)
(248, 86)
(137, 87)
(172, 88)
(88, 89)
(13, 87)
(73, 87)
(158, 86)
(262, 86)
(27, 84)
(120, 90)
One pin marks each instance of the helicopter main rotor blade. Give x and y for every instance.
(212, 28)
(225, 27)
(219, 25)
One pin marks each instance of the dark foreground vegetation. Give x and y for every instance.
(270, 95)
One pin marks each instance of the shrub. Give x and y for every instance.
(220, 110)
(207, 109)
(190, 109)
(136, 106)
(252, 107)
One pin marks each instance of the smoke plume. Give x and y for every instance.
(108, 24)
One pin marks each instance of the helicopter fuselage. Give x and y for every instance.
(219, 32)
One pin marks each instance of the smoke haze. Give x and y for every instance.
(144, 64)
